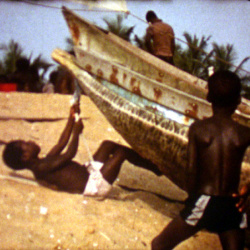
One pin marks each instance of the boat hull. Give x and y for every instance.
(112, 48)
(161, 140)
(188, 105)
(169, 97)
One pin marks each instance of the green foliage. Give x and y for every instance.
(141, 42)
(118, 27)
(12, 52)
(193, 59)
(196, 59)
(224, 57)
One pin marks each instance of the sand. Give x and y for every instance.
(37, 217)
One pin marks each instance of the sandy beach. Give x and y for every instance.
(38, 217)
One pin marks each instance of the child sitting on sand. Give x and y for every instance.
(57, 168)
(215, 153)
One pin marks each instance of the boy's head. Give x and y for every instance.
(17, 153)
(224, 89)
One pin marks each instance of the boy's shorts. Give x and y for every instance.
(96, 185)
(214, 213)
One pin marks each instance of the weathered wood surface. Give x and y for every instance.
(112, 48)
(188, 105)
(160, 140)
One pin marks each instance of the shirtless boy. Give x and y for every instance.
(215, 153)
(58, 168)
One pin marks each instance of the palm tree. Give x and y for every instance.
(13, 52)
(141, 42)
(117, 27)
(224, 56)
(196, 60)
(193, 59)
(41, 65)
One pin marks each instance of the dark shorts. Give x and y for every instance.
(214, 213)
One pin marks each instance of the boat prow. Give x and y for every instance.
(152, 135)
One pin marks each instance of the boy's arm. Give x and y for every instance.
(64, 138)
(244, 191)
(52, 162)
(192, 161)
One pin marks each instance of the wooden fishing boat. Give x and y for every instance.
(156, 138)
(149, 102)
(187, 105)
(149, 132)
(112, 48)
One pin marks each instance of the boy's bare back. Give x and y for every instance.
(215, 153)
(217, 145)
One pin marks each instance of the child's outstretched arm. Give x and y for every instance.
(52, 162)
(73, 145)
(64, 138)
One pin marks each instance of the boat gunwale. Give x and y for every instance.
(153, 61)
(163, 66)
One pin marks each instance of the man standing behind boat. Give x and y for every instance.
(160, 38)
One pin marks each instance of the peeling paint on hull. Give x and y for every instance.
(162, 140)
(112, 48)
(186, 104)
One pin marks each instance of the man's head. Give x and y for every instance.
(224, 89)
(18, 153)
(151, 16)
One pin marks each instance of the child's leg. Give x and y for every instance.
(113, 155)
(173, 234)
(233, 239)
(108, 149)
(105, 151)
(112, 166)
(137, 160)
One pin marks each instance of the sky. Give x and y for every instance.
(39, 29)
